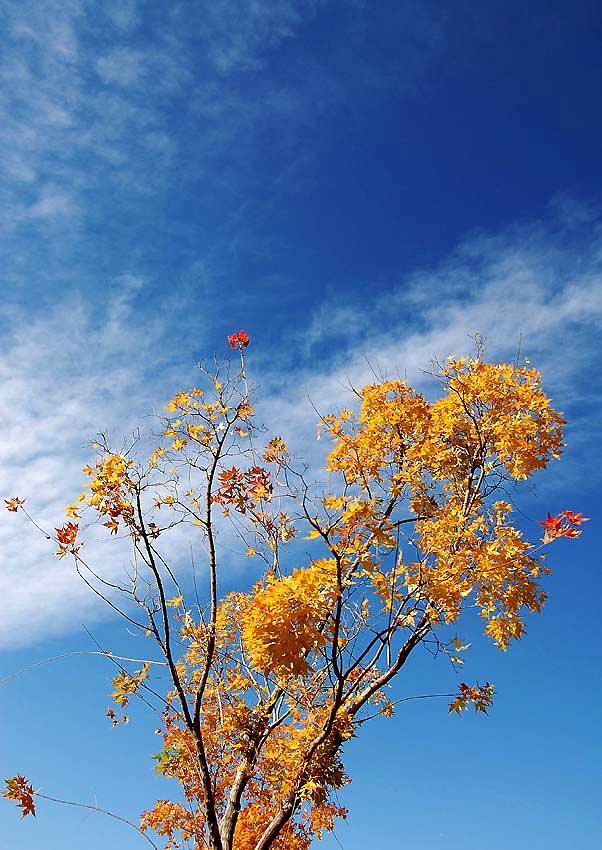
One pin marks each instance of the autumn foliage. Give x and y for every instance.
(411, 530)
(21, 791)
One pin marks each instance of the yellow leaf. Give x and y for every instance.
(177, 600)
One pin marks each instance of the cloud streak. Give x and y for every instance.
(110, 116)
(534, 288)
(62, 381)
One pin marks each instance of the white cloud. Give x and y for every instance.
(124, 14)
(51, 204)
(63, 377)
(536, 285)
(122, 66)
(118, 117)
(77, 146)
(67, 374)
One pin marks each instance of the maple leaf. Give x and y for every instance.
(245, 410)
(14, 504)
(67, 535)
(562, 525)
(574, 518)
(176, 601)
(239, 340)
(275, 451)
(113, 525)
(126, 684)
(19, 790)
(551, 523)
(480, 696)
(113, 717)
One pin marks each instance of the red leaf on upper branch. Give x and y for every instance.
(239, 340)
(562, 525)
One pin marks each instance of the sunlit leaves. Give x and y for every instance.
(170, 820)
(408, 536)
(111, 488)
(21, 791)
(563, 525)
(14, 504)
(479, 696)
(66, 537)
(126, 685)
(275, 451)
(176, 601)
(243, 489)
(238, 340)
(284, 622)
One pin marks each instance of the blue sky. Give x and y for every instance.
(351, 182)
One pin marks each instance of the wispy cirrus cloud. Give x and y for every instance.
(124, 14)
(109, 115)
(65, 377)
(115, 124)
(535, 288)
(61, 381)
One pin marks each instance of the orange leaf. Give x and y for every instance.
(19, 790)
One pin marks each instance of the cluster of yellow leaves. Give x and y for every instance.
(230, 729)
(491, 414)
(110, 489)
(500, 411)
(126, 684)
(275, 451)
(392, 418)
(492, 421)
(285, 754)
(186, 401)
(252, 823)
(286, 619)
(199, 422)
(173, 821)
(477, 553)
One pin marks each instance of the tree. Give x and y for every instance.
(267, 684)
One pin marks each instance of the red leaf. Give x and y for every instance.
(239, 340)
(19, 790)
